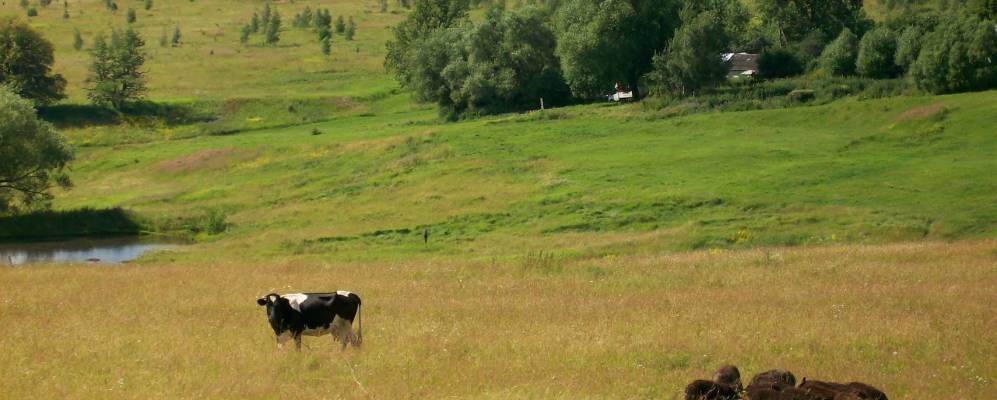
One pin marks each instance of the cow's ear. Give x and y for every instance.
(261, 301)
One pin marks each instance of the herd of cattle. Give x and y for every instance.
(314, 314)
(776, 384)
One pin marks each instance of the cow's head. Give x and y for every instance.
(268, 300)
(278, 311)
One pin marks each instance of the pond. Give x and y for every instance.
(95, 250)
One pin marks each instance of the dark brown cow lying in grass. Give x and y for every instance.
(779, 384)
(726, 385)
(837, 391)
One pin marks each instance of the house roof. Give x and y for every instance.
(741, 62)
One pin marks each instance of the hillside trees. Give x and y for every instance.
(33, 153)
(959, 55)
(877, 52)
(272, 33)
(692, 59)
(116, 74)
(605, 41)
(428, 17)
(794, 19)
(505, 63)
(26, 63)
(839, 57)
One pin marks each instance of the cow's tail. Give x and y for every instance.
(359, 339)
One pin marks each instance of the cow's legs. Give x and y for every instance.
(297, 342)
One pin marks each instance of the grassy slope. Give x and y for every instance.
(873, 171)
(609, 190)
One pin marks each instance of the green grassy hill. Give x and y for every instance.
(233, 132)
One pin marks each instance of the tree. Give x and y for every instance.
(876, 54)
(383, 5)
(254, 22)
(908, 46)
(175, 38)
(959, 55)
(794, 19)
(77, 39)
(838, 58)
(351, 29)
(428, 17)
(24, 4)
(604, 41)
(244, 34)
(505, 63)
(272, 34)
(692, 60)
(33, 153)
(116, 74)
(326, 45)
(265, 17)
(131, 16)
(65, 13)
(323, 19)
(148, 4)
(26, 63)
(778, 63)
(340, 25)
(32, 12)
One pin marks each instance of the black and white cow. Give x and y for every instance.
(314, 314)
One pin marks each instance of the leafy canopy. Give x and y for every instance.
(33, 155)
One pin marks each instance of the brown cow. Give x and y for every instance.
(769, 383)
(726, 385)
(836, 391)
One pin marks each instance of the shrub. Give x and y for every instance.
(32, 12)
(77, 39)
(131, 16)
(801, 96)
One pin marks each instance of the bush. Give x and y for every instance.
(838, 58)
(801, 96)
(877, 52)
(32, 12)
(778, 63)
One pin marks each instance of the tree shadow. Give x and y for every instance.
(57, 224)
(85, 115)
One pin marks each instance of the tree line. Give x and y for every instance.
(575, 50)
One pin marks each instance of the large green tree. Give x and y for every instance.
(601, 42)
(794, 19)
(959, 55)
(877, 54)
(116, 74)
(33, 153)
(692, 60)
(26, 63)
(838, 58)
(428, 17)
(508, 64)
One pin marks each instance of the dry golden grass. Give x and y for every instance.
(915, 319)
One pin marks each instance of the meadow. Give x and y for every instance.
(590, 251)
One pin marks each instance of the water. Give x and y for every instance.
(103, 250)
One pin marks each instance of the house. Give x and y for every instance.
(741, 64)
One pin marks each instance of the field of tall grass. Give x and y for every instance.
(913, 319)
